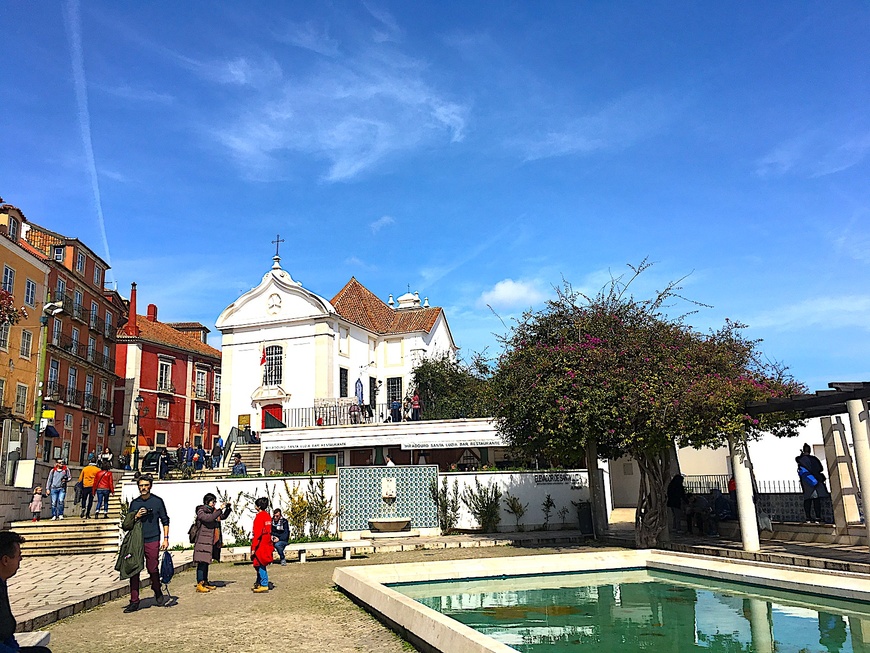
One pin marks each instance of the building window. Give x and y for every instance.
(98, 276)
(217, 415)
(72, 378)
(101, 429)
(56, 328)
(58, 254)
(273, 372)
(200, 387)
(342, 382)
(13, 229)
(217, 387)
(107, 361)
(373, 391)
(86, 424)
(160, 438)
(30, 292)
(53, 375)
(89, 387)
(92, 347)
(20, 398)
(344, 341)
(4, 336)
(163, 408)
(68, 421)
(67, 445)
(75, 340)
(2, 391)
(199, 414)
(394, 389)
(80, 262)
(164, 376)
(109, 321)
(94, 315)
(8, 279)
(26, 344)
(78, 308)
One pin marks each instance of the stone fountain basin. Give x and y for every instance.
(389, 524)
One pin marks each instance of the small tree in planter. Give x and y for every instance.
(563, 515)
(297, 511)
(516, 508)
(483, 504)
(447, 504)
(319, 509)
(547, 507)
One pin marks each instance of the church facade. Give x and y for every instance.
(293, 359)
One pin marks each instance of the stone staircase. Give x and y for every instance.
(252, 456)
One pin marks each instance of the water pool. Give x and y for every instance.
(645, 610)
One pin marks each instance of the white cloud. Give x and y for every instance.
(128, 92)
(818, 313)
(309, 36)
(507, 294)
(380, 223)
(620, 124)
(815, 153)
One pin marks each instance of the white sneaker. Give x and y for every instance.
(54, 518)
(60, 516)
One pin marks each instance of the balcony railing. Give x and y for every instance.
(109, 332)
(74, 397)
(90, 402)
(341, 413)
(165, 387)
(52, 391)
(79, 312)
(96, 323)
(84, 351)
(105, 407)
(200, 393)
(216, 396)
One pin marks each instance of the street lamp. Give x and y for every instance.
(135, 439)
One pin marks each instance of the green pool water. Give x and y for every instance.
(639, 610)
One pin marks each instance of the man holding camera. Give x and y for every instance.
(150, 511)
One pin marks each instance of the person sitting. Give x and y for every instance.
(280, 534)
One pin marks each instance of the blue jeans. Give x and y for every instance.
(262, 576)
(102, 500)
(58, 496)
(280, 545)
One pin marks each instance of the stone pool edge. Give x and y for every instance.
(431, 631)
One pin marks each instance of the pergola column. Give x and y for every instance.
(861, 441)
(844, 486)
(745, 502)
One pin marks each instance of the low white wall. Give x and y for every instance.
(182, 497)
(530, 488)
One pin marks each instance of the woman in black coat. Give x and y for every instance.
(812, 476)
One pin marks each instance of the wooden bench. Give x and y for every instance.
(33, 638)
(346, 547)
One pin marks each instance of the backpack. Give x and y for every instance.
(193, 531)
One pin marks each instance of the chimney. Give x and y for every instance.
(152, 312)
(132, 328)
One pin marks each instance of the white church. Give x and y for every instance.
(302, 370)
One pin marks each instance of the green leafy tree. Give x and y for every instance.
(450, 388)
(612, 375)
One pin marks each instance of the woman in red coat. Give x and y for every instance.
(262, 548)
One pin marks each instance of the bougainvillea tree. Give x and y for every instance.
(9, 314)
(613, 375)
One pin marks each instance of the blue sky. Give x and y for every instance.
(476, 152)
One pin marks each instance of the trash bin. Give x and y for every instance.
(584, 517)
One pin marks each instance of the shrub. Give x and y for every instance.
(483, 503)
(319, 509)
(447, 504)
(547, 507)
(516, 508)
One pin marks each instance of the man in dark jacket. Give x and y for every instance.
(10, 559)
(280, 534)
(812, 477)
(150, 510)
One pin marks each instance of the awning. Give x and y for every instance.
(50, 432)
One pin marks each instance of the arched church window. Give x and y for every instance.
(273, 370)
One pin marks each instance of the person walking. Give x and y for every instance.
(36, 504)
(106, 457)
(199, 458)
(216, 454)
(86, 478)
(150, 511)
(58, 477)
(10, 561)
(262, 548)
(280, 534)
(208, 539)
(812, 477)
(104, 485)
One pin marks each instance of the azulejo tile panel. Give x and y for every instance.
(360, 495)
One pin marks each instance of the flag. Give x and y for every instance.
(262, 355)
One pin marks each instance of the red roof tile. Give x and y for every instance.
(163, 334)
(357, 304)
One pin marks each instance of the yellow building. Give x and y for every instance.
(25, 275)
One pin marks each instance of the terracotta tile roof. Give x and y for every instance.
(187, 325)
(163, 334)
(359, 305)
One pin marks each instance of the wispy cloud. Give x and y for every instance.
(510, 294)
(854, 242)
(388, 29)
(358, 263)
(127, 92)
(621, 123)
(114, 175)
(818, 313)
(72, 22)
(380, 223)
(309, 36)
(815, 153)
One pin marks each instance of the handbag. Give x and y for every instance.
(193, 531)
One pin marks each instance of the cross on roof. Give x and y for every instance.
(277, 243)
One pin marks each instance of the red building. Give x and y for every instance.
(169, 380)
(80, 354)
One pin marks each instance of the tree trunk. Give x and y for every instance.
(651, 522)
(596, 491)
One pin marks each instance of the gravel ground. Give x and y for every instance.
(304, 612)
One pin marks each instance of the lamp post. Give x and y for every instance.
(135, 439)
(49, 309)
